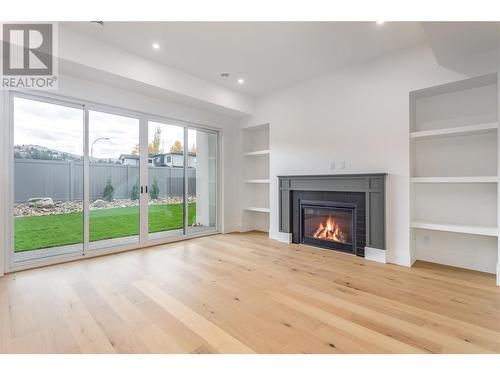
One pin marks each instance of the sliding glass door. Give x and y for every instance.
(48, 179)
(90, 178)
(202, 181)
(114, 173)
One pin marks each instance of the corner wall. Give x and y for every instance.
(357, 117)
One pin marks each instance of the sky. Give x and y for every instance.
(61, 128)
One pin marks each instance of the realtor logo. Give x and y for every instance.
(28, 56)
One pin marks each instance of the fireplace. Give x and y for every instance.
(328, 224)
(337, 212)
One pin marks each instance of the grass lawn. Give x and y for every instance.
(39, 232)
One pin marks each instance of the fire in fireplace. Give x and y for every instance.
(331, 231)
(329, 224)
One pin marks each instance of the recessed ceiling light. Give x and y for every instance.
(156, 46)
(380, 22)
(241, 81)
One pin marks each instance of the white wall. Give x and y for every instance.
(359, 115)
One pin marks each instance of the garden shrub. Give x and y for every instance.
(154, 192)
(134, 194)
(109, 192)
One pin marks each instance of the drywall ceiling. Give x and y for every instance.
(465, 47)
(268, 55)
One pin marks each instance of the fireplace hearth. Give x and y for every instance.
(328, 224)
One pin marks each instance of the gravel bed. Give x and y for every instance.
(66, 207)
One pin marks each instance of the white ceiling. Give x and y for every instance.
(268, 55)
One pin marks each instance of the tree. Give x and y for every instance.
(176, 147)
(154, 146)
(134, 194)
(109, 191)
(154, 192)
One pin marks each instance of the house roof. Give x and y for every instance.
(129, 156)
(174, 153)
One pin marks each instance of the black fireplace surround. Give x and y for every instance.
(337, 212)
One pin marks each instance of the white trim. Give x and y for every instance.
(4, 180)
(231, 228)
(86, 182)
(143, 181)
(376, 255)
(498, 273)
(281, 237)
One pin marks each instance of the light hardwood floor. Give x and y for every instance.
(243, 293)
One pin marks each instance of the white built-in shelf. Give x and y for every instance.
(256, 127)
(455, 180)
(461, 130)
(255, 153)
(257, 181)
(258, 209)
(457, 228)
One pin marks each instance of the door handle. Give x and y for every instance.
(146, 189)
(142, 189)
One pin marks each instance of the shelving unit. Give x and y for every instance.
(455, 180)
(491, 127)
(455, 228)
(255, 175)
(454, 174)
(256, 153)
(258, 181)
(258, 209)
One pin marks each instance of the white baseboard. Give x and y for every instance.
(281, 237)
(376, 255)
(230, 228)
(498, 273)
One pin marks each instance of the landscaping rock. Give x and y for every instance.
(41, 202)
(100, 204)
(31, 208)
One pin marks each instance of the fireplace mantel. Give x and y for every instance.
(372, 184)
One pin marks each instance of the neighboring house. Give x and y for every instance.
(128, 159)
(174, 159)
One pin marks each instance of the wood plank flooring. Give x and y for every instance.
(243, 293)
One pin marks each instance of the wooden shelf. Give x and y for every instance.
(257, 181)
(454, 180)
(457, 228)
(256, 153)
(258, 209)
(461, 130)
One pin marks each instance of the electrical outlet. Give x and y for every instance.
(332, 165)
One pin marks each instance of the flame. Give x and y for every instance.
(330, 231)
